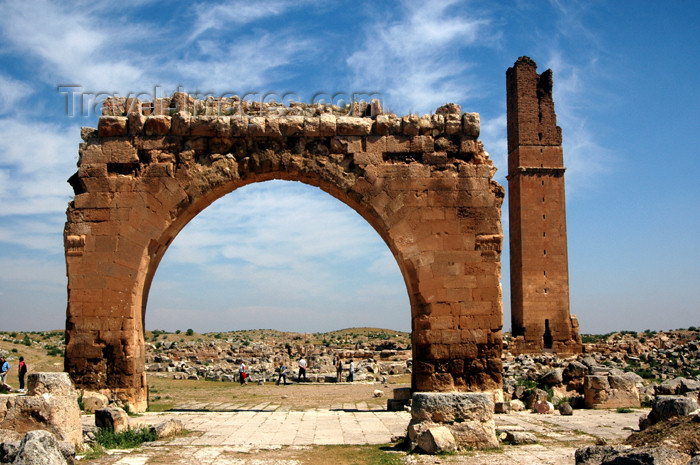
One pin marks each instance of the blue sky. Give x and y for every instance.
(287, 256)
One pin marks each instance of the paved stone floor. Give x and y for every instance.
(216, 437)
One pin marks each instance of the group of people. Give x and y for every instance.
(303, 365)
(4, 370)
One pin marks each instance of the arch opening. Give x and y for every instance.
(279, 255)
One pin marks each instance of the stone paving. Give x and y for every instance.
(216, 437)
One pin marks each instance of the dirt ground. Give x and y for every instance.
(166, 393)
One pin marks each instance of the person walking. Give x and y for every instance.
(351, 373)
(283, 375)
(21, 372)
(338, 369)
(243, 373)
(302, 368)
(4, 368)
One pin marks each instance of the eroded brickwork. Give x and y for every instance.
(539, 272)
(424, 183)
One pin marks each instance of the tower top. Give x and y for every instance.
(531, 117)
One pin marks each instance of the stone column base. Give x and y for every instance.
(468, 416)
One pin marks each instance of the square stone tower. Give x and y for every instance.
(539, 270)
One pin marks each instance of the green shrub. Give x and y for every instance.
(624, 410)
(189, 332)
(128, 439)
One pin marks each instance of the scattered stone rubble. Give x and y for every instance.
(220, 360)
(621, 371)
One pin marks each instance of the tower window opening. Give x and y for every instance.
(539, 135)
(545, 251)
(544, 234)
(542, 199)
(544, 217)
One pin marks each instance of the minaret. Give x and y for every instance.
(539, 270)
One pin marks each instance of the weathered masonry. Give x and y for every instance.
(424, 183)
(539, 270)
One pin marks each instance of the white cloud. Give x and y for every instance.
(284, 249)
(74, 44)
(495, 138)
(11, 92)
(226, 15)
(584, 157)
(243, 65)
(22, 272)
(35, 163)
(414, 59)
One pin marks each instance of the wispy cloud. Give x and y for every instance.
(35, 163)
(243, 65)
(11, 92)
(584, 156)
(413, 58)
(74, 44)
(281, 245)
(225, 15)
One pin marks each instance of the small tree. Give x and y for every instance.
(190, 332)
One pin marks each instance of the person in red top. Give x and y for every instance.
(22, 370)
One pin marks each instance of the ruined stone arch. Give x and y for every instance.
(424, 183)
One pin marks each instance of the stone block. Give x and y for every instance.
(112, 126)
(327, 125)
(410, 125)
(367, 158)
(157, 125)
(471, 124)
(443, 407)
(402, 394)
(312, 126)
(381, 125)
(51, 404)
(353, 126)
(398, 144)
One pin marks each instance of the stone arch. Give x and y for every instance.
(423, 183)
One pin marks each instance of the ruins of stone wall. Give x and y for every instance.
(539, 269)
(423, 182)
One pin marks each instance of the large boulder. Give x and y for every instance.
(436, 440)
(51, 404)
(595, 455)
(666, 407)
(167, 429)
(603, 391)
(616, 455)
(113, 418)
(518, 438)
(552, 378)
(40, 447)
(574, 370)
